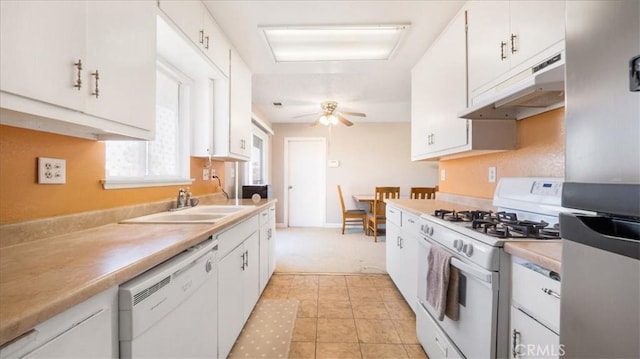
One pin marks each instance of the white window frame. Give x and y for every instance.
(262, 130)
(184, 161)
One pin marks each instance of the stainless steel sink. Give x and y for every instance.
(201, 214)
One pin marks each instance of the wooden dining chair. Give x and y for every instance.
(378, 214)
(352, 216)
(423, 192)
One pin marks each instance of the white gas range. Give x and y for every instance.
(527, 210)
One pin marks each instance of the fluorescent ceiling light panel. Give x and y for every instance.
(333, 43)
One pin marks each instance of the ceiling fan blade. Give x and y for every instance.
(315, 122)
(359, 114)
(308, 114)
(344, 120)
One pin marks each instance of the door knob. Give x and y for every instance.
(290, 187)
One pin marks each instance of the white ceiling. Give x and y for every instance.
(381, 89)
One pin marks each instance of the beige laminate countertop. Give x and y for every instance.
(547, 254)
(42, 278)
(544, 254)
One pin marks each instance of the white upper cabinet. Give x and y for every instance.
(51, 51)
(232, 113)
(438, 93)
(506, 37)
(122, 64)
(488, 35)
(40, 43)
(195, 21)
(240, 107)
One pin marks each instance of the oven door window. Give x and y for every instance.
(474, 332)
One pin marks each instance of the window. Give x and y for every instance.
(165, 160)
(258, 163)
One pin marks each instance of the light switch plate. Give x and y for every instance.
(443, 175)
(52, 170)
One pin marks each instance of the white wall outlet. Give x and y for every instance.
(52, 170)
(213, 173)
(205, 174)
(492, 175)
(443, 175)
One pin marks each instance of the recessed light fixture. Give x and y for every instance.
(333, 42)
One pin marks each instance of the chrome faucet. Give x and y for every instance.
(180, 203)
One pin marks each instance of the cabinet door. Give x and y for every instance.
(121, 47)
(230, 299)
(188, 16)
(251, 274)
(528, 338)
(216, 45)
(264, 256)
(421, 127)
(488, 28)
(40, 41)
(530, 37)
(441, 78)
(272, 240)
(409, 268)
(394, 256)
(240, 107)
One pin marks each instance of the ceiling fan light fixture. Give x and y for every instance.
(333, 42)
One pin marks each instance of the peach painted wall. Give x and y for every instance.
(540, 153)
(22, 198)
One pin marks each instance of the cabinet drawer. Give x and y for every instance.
(537, 295)
(264, 218)
(232, 237)
(528, 338)
(394, 215)
(410, 223)
(433, 340)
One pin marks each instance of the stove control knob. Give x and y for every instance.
(468, 249)
(457, 244)
(430, 229)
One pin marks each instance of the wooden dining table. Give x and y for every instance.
(365, 198)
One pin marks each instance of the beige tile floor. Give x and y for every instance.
(347, 316)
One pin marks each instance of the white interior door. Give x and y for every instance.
(305, 185)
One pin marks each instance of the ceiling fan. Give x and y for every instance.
(329, 115)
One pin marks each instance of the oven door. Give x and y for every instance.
(474, 333)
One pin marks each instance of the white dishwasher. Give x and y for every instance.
(170, 311)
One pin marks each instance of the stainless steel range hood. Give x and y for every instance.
(532, 91)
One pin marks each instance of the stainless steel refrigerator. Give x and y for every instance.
(600, 305)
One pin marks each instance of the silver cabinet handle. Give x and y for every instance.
(400, 242)
(202, 36)
(96, 92)
(550, 292)
(243, 261)
(502, 55)
(513, 43)
(78, 66)
(246, 258)
(206, 42)
(515, 338)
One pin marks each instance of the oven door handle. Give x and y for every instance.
(480, 274)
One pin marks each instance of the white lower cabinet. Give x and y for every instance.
(87, 330)
(402, 253)
(267, 245)
(535, 312)
(238, 280)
